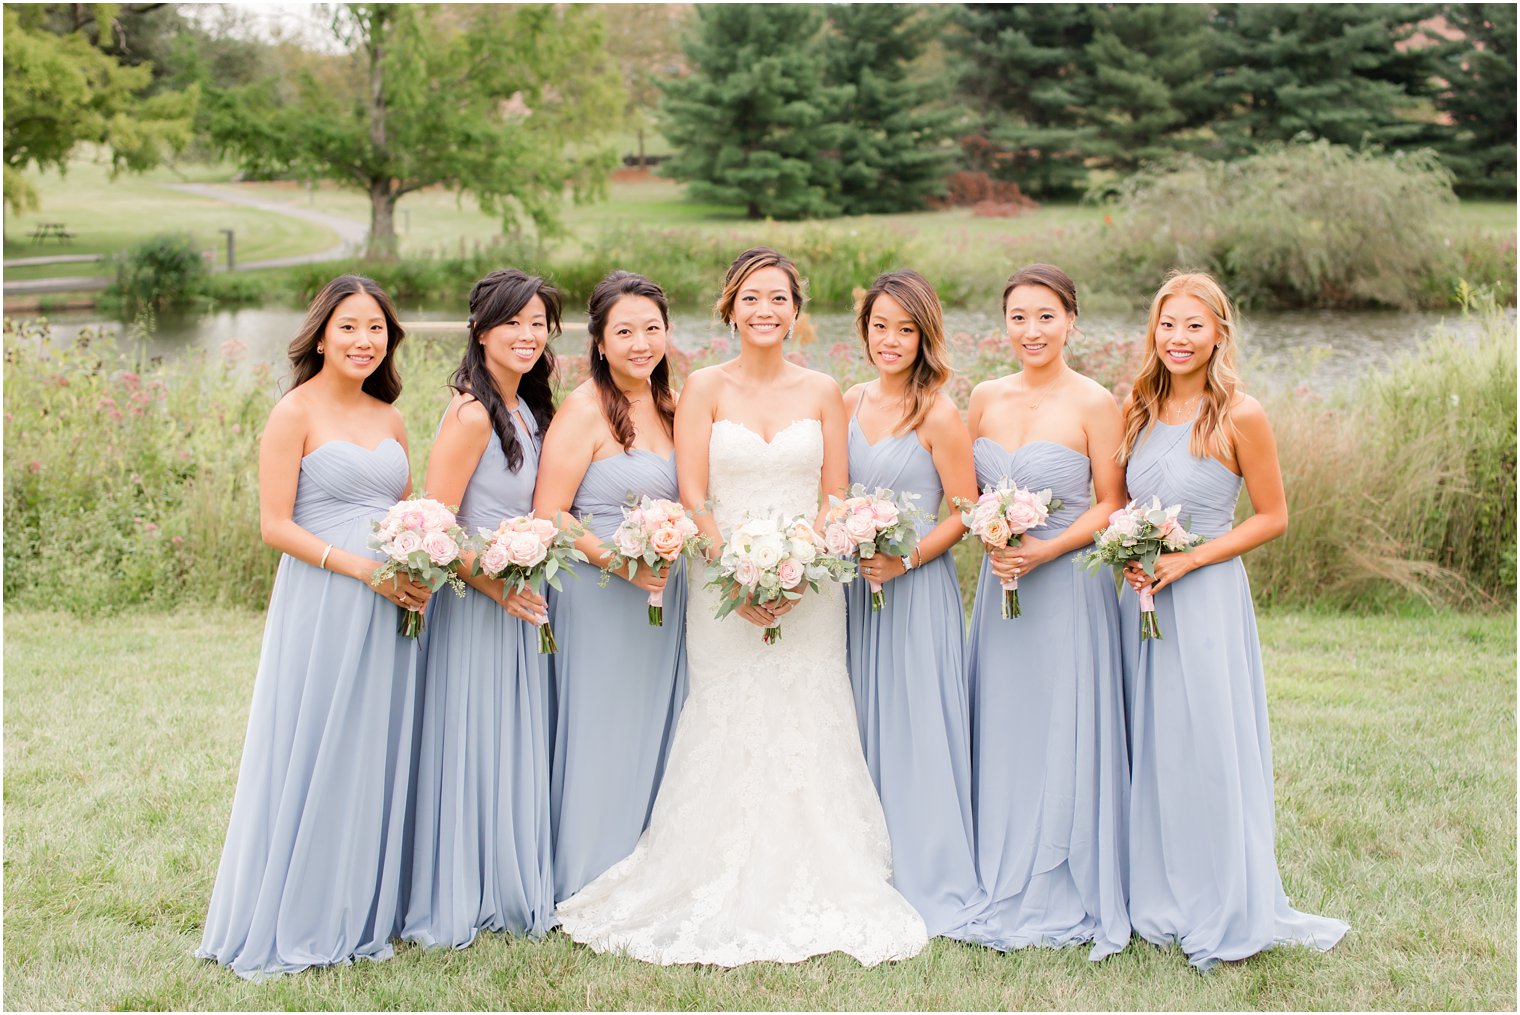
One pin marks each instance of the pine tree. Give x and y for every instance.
(1152, 85)
(1479, 98)
(894, 153)
(1027, 74)
(754, 124)
(1332, 71)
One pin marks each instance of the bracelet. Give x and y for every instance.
(323, 563)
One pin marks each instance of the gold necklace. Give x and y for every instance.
(1043, 392)
(1169, 409)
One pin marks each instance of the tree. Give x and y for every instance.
(893, 153)
(1025, 69)
(754, 123)
(486, 99)
(1479, 98)
(644, 42)
(1152, 85)
(62, 90)
(1332, 71)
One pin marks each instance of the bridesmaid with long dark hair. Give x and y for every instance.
(906, 661)
(311, 871)
(1047, 711)
(618, 680)
(481, 852)
(1202, 855)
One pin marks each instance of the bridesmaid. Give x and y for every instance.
(906, 661)
(1203, 869)
(312, 867)
(1049, 769)
(618, 681)
(481, 849)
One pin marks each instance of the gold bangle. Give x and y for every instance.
(323, 563)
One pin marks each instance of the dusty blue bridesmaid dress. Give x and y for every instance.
(481, 856)
(1049, 776)
(618, 685)
(908, 675)
(1202, 860)
(312, 868)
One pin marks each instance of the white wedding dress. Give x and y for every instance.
(767, 841)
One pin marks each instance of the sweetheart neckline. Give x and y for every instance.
(352, 444)
(774, 437)
(1029, 444)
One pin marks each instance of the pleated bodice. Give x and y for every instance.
(899, 463)
(605, 488)
(338, 487)
(1162, 466)
(1036, 466)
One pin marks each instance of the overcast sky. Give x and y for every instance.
(306, 23)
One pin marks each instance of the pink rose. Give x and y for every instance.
(543, 529)
(747, 573)
(440, 548)
(837, 540)
(1023, 515)
(413, 520)
(666, 541)
(406, 544)
(525, 549)
(886, 514)
(494, 561)
(860, 527)
(996, 533)
(686, 527)
(789, 573)
(657, 512)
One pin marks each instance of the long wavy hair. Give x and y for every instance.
(496, 299)
(306, 361)
(1215, 432)
(745, 265)
(614, 403)
(931, 367)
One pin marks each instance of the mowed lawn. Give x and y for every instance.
(1394, 741)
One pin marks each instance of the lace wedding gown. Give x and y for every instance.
(767, 841)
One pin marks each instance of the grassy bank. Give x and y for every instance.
(1394, 748)
(1401, 487)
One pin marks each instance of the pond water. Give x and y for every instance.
(1316, 347)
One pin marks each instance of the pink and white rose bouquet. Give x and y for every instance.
(1002, 514)
(1140, 532)
(863, 525)
(770, 559)
(654, 533)
(527, 552)
(421, 539)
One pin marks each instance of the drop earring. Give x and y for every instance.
(733, 331)
(791, 329)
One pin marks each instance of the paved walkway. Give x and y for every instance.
(351, 239)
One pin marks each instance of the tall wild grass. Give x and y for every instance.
(135, 482)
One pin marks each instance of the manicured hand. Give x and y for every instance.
(525, 604)
(646, 579)
(881, 568)
(1017, 561)
(404, 592)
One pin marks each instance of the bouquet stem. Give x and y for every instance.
(878, 597)
(546, 643)
(771, 635)
(1011, 599)
(411, 623)
(1149, 627)
(657, 609)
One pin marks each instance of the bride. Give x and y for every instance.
(767, 841)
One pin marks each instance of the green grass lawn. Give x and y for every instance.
(1394, 743)
(107, 215)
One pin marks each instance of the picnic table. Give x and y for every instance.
(51, 231)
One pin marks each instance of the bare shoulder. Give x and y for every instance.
(705, 383)
(469, 414)
(990, 388)
(1246, 411)
(821, 386)
(291, 412)
(581, 404)
(1094, 396)
(943, 412)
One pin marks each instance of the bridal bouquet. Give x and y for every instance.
(654, 533)
(998, 518)
(767, 560)
(866, 524)
(421, 539)
(526, 552)
(1140, 532)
